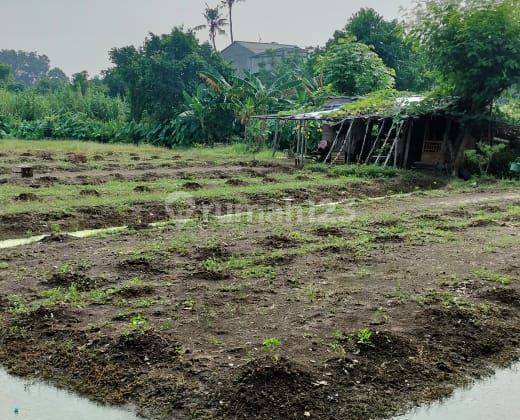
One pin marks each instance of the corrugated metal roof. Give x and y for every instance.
(261, 47)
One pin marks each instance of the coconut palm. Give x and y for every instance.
(215, 23)
(230, 4)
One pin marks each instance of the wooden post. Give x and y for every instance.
(275, 141)
(408, 143)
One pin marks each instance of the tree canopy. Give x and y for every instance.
(390, 41)
(156, 76)
(475, 46)
(352, 68)
(28, 67)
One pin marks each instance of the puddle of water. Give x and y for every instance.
(97, 232)
(38, 401)
(494, 398)
(11, 243)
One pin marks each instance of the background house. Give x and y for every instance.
(251, 57)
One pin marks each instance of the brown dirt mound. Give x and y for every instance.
(67, 279)
(90, 192)
(47, 180)
(58, 237)
(267, 389)
(47, 320)
(461, 331)
(141, 264)
(236, 182)
(147, 347)
(192, 186)
(142, 189)
(130, 292)
(26, 197)
(502, 295)
(76, 158)
(328, 231)
(44, 155)
(279, 241)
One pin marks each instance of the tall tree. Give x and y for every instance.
(80, 82)
(352, 68)
(156, 75)
(230, 4)
(390, 41)
(6, 73)
(475, 46)
(215, 24)
(28, 67)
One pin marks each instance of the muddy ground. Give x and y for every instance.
(105, 188)
(352, 311)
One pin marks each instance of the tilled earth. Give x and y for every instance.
(353, 311)
(107, 186)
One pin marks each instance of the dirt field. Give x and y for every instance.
(406, 289)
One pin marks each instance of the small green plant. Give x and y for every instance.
(65, 268)
(139, 323)
(18, 305)
(311, 293)
(271, 344)
(364, 336)
(211, 265)
(3, 265)
(55, 228)
(166, 325)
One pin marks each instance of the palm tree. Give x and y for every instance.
(230, 4)
(215, 23)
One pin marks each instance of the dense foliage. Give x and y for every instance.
(28, 68)
(475, 45)
(397, 49)
(352, 68)
(175, 91)
(156, 76)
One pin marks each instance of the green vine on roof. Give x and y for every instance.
(392, 103)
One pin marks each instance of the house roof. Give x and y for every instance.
(262, 47)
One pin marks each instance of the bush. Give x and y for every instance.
(488, 159)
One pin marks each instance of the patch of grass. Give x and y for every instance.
(492, 276)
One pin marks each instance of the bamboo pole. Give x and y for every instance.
(398, 133)
(369, 123)
(386, 141)
(376, 141)
(347, 136)
(335, 141)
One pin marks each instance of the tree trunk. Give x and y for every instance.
(231, 23)
(459, 158)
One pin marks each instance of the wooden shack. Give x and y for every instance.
(402, 131)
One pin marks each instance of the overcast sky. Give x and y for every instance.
(77, 34)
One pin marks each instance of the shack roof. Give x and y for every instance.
(370, 106)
